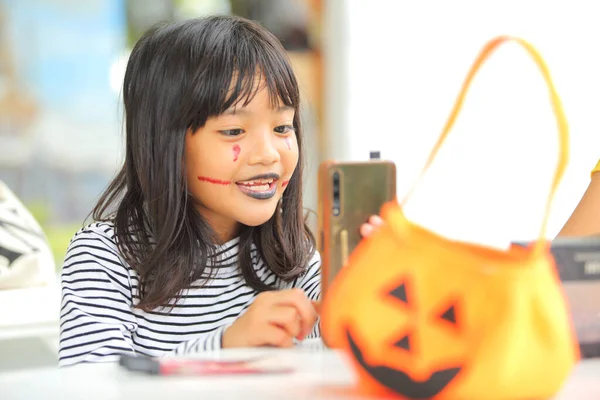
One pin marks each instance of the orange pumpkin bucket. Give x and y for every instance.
(421, 316)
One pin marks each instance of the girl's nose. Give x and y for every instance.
(264, 151)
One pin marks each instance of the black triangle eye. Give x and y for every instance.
(403, 343)
(400, 293)
(449, 315)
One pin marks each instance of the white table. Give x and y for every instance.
(319, 374)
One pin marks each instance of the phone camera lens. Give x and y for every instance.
(336, 194)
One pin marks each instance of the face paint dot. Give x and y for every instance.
(236, 152)
(288, 142)
(285, 183)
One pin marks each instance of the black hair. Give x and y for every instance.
(178, 76)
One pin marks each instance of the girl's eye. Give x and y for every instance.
(283, 129)
(231, 132)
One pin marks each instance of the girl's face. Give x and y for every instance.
(239, 163)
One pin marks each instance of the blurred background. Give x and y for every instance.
(61, 69)
(375, 75)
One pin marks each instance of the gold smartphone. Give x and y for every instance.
(349, 193)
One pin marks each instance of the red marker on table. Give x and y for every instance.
(153, 366)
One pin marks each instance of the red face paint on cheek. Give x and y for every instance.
(236, 152)
(212, 180)
(285, 183)
(288, 142)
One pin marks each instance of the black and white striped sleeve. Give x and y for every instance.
(206, 342)
(311, 284)
(97, 322)
(96, 318)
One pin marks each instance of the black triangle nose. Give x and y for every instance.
(403, 343)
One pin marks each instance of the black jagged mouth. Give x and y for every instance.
(399, 381)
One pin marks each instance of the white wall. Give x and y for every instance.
(405, 63)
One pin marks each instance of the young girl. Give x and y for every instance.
(200, 241)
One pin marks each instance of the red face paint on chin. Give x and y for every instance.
(288, 142)
(236, 152)
(214, 181)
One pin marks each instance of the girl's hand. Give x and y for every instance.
(274, 319)
(371, 226)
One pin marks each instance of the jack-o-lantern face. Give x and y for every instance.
(423, 317)
(396, 379)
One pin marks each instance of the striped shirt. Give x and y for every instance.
(98, 321)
